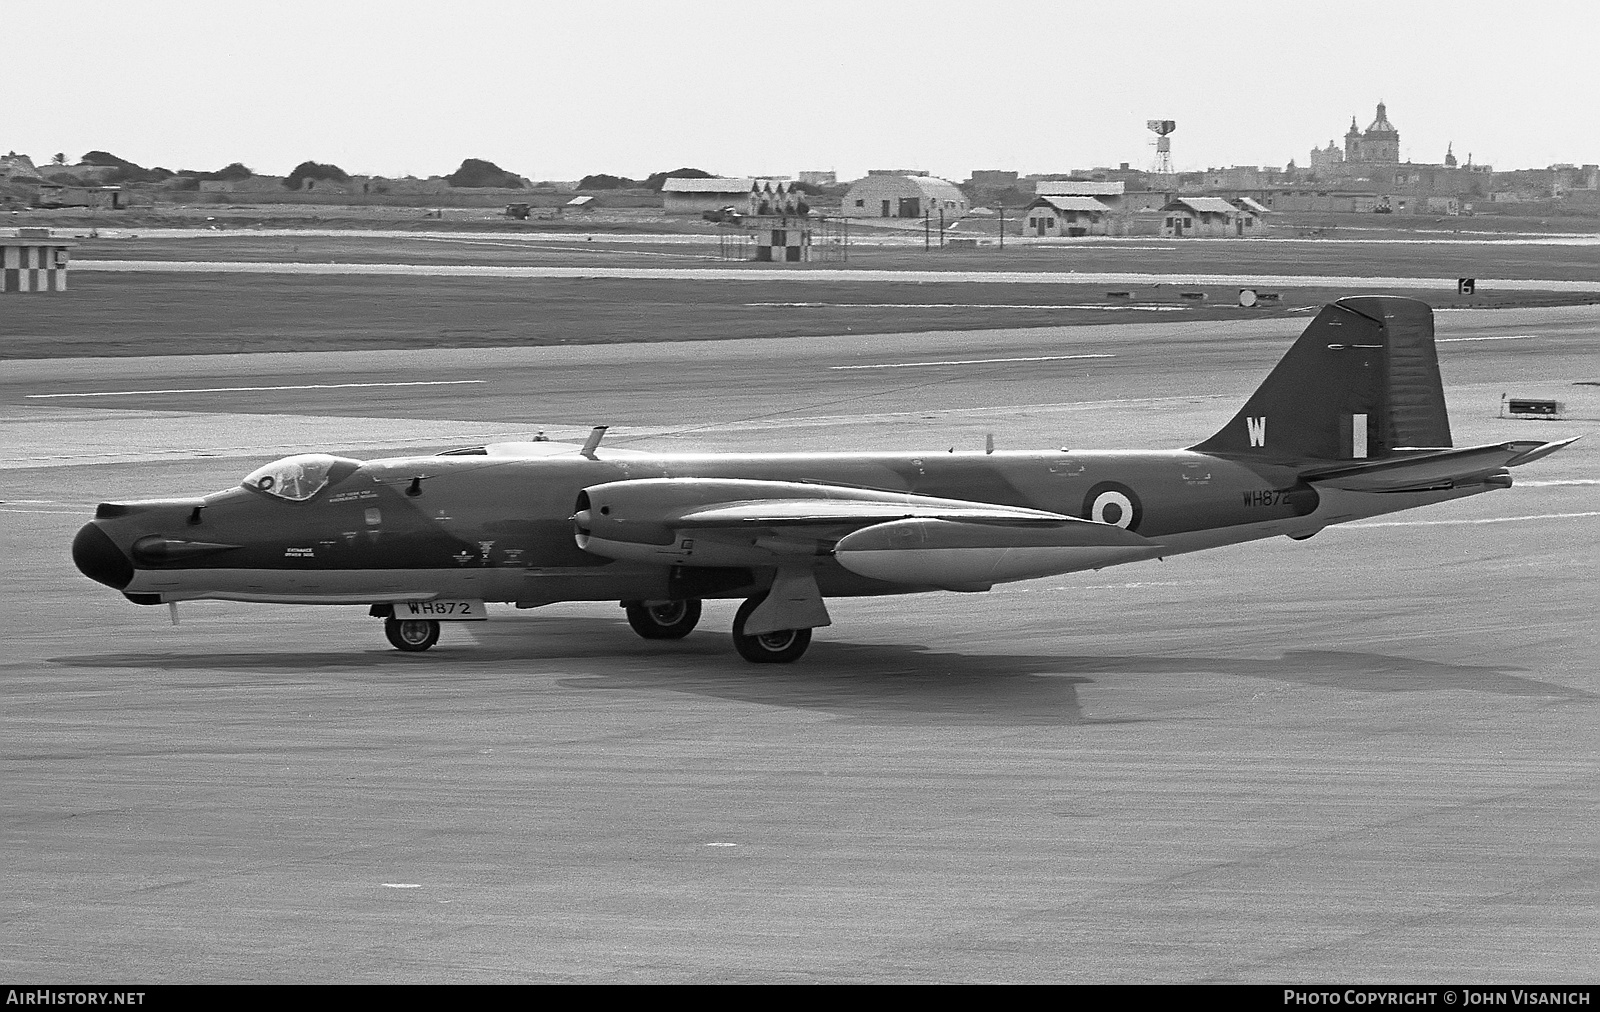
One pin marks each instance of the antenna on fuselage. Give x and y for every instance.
(593, 442)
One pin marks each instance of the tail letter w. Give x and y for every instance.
(1258, 430)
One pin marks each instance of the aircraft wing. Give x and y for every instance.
(1431, 468)
(857, 513)
(897, 537)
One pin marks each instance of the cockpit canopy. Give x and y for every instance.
(300, 477)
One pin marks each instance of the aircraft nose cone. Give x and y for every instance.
(99, 559)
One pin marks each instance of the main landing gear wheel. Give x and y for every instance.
(411, 635)
(663, 620)
(779, 647)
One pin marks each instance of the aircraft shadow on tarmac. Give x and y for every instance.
(876, 682)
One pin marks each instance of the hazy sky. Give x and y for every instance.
(561, 90)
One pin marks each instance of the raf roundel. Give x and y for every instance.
(1114, 503)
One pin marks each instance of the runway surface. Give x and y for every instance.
(1369, 756)
(824, 274)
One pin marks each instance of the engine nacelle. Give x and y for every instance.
(975, 556)
(737, 522)
(642, 521)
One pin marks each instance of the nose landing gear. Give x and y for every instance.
(663, 620)
(411, 635)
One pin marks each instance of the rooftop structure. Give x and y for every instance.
(1078, 187)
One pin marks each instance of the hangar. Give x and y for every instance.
(903, 193)
(745, 194)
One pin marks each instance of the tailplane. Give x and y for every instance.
(1361, 382)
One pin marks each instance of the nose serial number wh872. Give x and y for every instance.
(442, 611)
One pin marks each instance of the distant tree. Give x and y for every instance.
(481, 173)
(602, 181)
(60, 158)
(305, 170)
(809, 189)
(122, 170)
(656, 180)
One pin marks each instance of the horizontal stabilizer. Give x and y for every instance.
(975, 556)
(1431, 468)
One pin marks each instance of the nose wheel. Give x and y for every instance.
(663, 620)
(411, 635)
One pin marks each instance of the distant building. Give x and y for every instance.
(885, 193)
(777, 197)
(1251, 213)
(1111, 193)
(745, 194)
(108, 198)
(993, 177)
(1326, 160)
(1066, 216)
(1078, 188)
(692, 196)
(1380, 142)
(1200, 216)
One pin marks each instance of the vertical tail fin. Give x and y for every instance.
(1361, 381)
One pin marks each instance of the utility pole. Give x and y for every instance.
(941, 228)
(1002, 226)
(924, 231)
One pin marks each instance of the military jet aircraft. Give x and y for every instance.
(1350, 424)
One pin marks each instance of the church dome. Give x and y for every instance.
(1381, 125)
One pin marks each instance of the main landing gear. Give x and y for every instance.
(663, 620)
(673, 620)
(411, 635)
(779, 647)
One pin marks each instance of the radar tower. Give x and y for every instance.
(1161, 128)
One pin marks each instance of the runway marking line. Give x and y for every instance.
(229, 390)
(402, 885)
(567, 249)
(1505, 337)
(950, 305)
(1568, 481)
(1485, 520)
(967, 361)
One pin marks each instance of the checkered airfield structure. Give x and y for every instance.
(784, 242)
(33, 265)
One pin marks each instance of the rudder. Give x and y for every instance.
(1362, 381)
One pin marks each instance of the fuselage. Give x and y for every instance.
(499, 528)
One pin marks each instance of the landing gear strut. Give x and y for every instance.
(663, 620)
(780, 647)
(411, 635)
